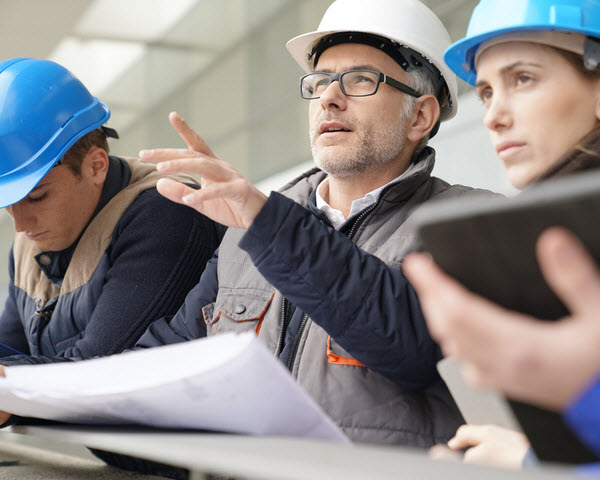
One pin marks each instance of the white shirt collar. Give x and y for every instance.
(336, 217)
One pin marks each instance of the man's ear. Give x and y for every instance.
(424, 118)
(96, 164)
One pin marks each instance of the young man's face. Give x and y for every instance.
(353, 135)
(58, 209)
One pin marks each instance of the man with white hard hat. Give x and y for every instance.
(292, 268)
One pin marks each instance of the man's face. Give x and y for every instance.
(58, 209)
(370, 132)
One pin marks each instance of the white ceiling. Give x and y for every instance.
(33, 28)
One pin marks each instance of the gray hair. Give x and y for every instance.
(422, 83)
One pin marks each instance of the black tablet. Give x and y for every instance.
(489, 246)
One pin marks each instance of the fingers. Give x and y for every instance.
(196, 198)
(196, 145)
(172, 190)
(442, 452)
(188, 135)
(208, 168)
(4, 417)
(235, 203)
(467, 436)
(157, 155)
(570, 271)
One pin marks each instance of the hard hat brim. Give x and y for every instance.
(460, 55)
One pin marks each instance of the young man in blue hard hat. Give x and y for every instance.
(98, 254)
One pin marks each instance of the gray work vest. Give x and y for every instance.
(365, 404)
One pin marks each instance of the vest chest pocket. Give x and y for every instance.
(237, 311)
(338, 356)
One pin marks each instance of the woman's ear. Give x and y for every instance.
(424, 118)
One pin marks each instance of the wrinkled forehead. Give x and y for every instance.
(347, 56)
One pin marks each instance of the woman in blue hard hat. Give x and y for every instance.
(534, 65)
(98, 254)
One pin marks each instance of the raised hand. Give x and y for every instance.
(225, 195)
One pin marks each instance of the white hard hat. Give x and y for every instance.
(405, 22)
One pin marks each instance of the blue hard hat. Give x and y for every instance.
(44, 110)
(492, 18)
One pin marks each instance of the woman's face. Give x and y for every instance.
(538, 106)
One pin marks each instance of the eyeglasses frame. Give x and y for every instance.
(381, 77)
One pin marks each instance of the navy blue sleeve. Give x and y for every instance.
(188, 322)
(366, 306)
(11, 326)
(158, 253)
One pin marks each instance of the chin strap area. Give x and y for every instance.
(109, 132)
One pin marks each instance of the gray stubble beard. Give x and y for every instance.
(384, 144)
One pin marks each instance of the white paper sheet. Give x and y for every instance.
(227, 383)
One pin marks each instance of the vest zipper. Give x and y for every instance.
(359, 219)
(292, 356)
(284, 306)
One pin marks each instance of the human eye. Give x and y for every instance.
(362, 77)
(321, 82)
(523, 78)
(484, 94)
(37, 197)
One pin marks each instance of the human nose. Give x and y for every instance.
(333, 97)
(498, 115)
(21, 216)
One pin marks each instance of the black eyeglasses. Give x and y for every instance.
(353, 83)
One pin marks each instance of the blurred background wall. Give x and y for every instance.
(223, 65)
